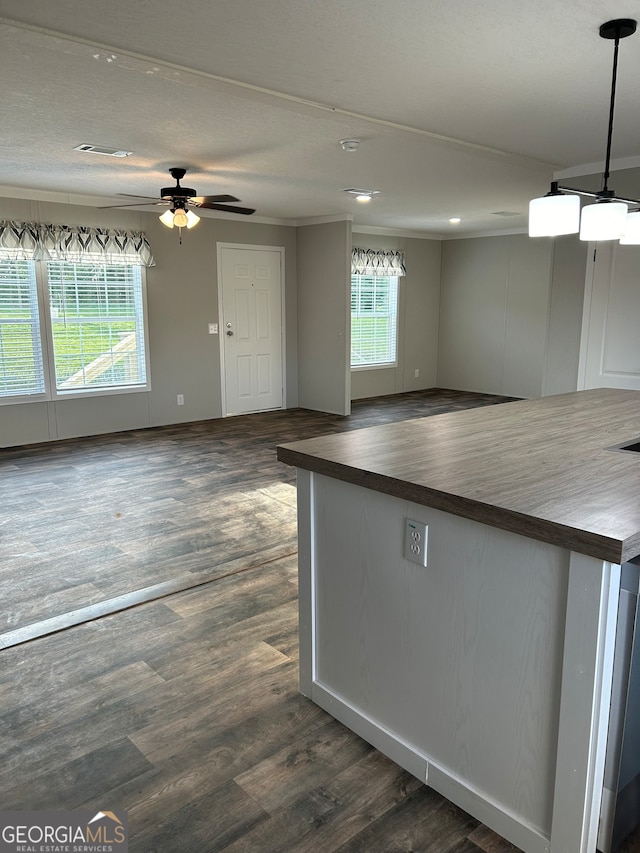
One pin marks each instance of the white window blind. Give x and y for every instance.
(21, 370)
(374, 320)
(97, 326)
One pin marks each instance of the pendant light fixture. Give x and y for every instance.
(558, 212)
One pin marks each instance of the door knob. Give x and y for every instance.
(229, 332)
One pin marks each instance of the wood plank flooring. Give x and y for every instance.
(184, 710)
(90, 520)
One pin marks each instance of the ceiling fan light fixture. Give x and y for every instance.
(179, 201)
(559, 211)
(167, 218)
(180, 218)
(192, 219)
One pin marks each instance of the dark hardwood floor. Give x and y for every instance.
(92, 524)
(168, 684)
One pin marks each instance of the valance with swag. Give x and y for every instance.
(36, 241)
(377, 262)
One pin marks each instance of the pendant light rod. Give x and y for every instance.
(620, 28)
(614, 77)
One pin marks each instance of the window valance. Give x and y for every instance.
(37, 241)
(377, 262)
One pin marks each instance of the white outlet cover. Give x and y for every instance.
(416, 537)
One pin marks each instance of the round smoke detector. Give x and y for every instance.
(350, 144)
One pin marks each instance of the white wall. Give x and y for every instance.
(565, 315)
(505, 303)
(324, 316)
(418, 311)
(182, 298)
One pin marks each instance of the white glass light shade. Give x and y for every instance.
(605, 220)
(167, 218)
(554, 214)
(192, 219)
(631, 236)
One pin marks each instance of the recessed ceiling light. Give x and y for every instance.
(362, 195)
(100, 149)
(455, 220)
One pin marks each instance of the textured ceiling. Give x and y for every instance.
(463, 108)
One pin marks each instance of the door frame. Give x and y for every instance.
(589, 282)
(283, 327)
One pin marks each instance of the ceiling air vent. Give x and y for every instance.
(100, 149)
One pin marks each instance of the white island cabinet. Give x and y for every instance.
(500, 672)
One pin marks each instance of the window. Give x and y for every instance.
(92, 318)
(97, 326)
(374, 320)
(21, 369)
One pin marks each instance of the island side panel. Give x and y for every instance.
(460, 661)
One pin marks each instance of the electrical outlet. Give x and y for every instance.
(415, 541)
(213, 328)
(181, 399)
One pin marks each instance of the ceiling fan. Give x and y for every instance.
(181, 199)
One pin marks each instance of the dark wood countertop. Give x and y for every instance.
(542, 468)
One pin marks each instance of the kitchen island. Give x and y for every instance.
(488, 672)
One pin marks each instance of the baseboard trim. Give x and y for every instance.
(457, 790)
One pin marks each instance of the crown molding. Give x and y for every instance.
(321, 220)
(505, 233)
(395, 232)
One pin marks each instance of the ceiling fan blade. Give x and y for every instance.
(210, 199)
(133, 195)
(245, 211)
(135, 204)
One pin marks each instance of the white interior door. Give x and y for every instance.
(610, 348)
(251, 328)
